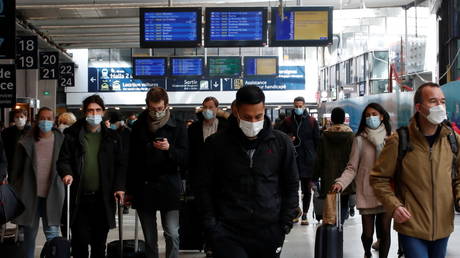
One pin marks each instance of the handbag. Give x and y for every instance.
(10, 205)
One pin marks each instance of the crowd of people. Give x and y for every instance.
(244, 171)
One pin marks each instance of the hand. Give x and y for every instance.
(67, 180)
(336, 188)
(119, 196)
(161, 145)
(293, 138)
(401, 215)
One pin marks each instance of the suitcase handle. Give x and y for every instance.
(120, 226)
(68, 212)
(339, 212)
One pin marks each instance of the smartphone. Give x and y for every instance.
(159, 139)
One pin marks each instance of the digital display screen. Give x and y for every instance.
(149, 67)
(170, 27)
(260, 65)
(187, 66)
(224, 66)
(301, 26)
(227, 27)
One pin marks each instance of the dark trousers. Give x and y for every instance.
(306, 193)
(263, 242)
(90, 228)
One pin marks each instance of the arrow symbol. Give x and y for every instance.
(216, 84)
(92, 79)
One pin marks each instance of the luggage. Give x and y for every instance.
(10, 205)
(10, 246)
(126, 248)
(329, 238)
(191, 235)
(318, 205)
(59, 247)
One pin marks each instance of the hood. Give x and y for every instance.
(338, 133)
(339, 128)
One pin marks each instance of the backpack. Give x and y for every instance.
(404, 147)
(58, 247)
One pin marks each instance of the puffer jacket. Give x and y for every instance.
(425, 184)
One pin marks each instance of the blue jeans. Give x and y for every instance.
(170, 223)
(30, 232)
(419, 248)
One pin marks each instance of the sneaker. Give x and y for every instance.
(297, 217)
(352, 212)
(376, 245)
(304, 220)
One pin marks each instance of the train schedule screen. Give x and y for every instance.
(149, 67)
(224, 66)
(233, 25)
(170, 26)
(267, 66)
(303, 25)
(186, 66)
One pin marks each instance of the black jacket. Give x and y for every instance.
(306, 132)
(243, 192)
(154, 179)
(112, 166)
(3, 162)
(11, 136)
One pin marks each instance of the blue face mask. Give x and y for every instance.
(373, 122)
(299, 111)
(113, 126)
(208, 114)
(94, 120)
(45, 125)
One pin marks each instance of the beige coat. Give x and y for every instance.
(359, 167)
(425, 183)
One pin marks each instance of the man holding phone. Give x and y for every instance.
(158, 147)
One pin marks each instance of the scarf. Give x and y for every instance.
(377, 137)
(154, 124)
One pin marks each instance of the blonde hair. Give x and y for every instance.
(67, 118)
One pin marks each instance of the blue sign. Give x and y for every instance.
(233, 25)
(194, 84)
(8, 31)
(171, 26)
(189, 66)
(118, 79)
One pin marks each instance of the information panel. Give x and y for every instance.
(149, 67)
(49, 64)
(26, 52)
(187, 66)
(170, 27)
(66, 75)
(260, 66)
(8, 28)
(229, 66)
(7, 85)
(118, 79)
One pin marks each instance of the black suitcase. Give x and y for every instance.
(10, 246)
(191, 235)
(133, 248)
(329, 238)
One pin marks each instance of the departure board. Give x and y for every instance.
(231, 27)
(301, 26)
(260, 66)
(170, 27)
(149, 67)
(187, 66)
(229, 66)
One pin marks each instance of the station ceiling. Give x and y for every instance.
(115, 23)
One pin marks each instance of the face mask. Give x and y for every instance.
(131, 122)
(373, 122)
(62, 127)
(251, 129)
(20, 122)
(45, 125)
(437, 114)
(113, 126)
(208, 114)
(157, 115)
(94, 120)
(299, 111)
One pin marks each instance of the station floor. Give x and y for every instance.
(298, 244)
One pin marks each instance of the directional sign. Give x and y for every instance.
(7, 85)
(66, 75)
(26, 52)
(8, 29)
(49, 64)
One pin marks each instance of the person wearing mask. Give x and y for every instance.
(37, 182)
(159, 149)
(247, 188)
(333, 153)
(279, 120)
(131, 119)
(425, 191)
(92, 161)
(304, 132)
(65, 120)
(12, 134)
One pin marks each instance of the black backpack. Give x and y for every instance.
(58, 247)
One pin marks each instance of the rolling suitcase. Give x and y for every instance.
(10, 245)
(329, 238)
(126, 248)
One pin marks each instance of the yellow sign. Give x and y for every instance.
(311, 25)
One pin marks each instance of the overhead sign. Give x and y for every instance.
(7, 85)
(194, 84)
(8, 31)
(118, 79)
(26, 52)
(49, 65)
(66, 75)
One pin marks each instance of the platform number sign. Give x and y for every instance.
(66, 75)
(49, 65)
(26, 52)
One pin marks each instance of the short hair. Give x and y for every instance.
(338, 115)
(418, 93)
(20, 111)
(67, 118)
(299, 99)
(249, 95)
(115, 117)
(216, 102)
(93, 99)
(157, 94)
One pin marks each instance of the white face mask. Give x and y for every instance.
(251, 129)
(437, 114)
(20, 122)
